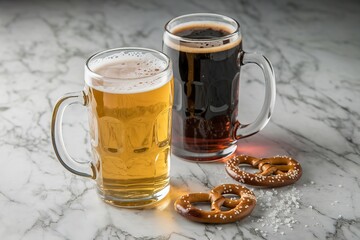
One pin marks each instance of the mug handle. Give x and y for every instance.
(245, 130)
(86, 169)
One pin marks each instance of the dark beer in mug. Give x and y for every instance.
(206, 51)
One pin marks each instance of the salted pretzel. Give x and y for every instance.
(237, 208)
(273, 172)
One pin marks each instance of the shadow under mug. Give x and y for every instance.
(128, 94)
(207, 54)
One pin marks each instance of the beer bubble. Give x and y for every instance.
(203, 46)
(127, 72)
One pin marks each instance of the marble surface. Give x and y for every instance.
(315, 49)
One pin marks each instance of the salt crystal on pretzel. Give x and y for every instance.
(238, 208)
(277, 171)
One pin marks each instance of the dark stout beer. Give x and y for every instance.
(206, 76)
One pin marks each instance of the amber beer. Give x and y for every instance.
(130, 130)
(129, 97)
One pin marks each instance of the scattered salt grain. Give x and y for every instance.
(311, 207)
(340, 216)
(277, 208)
(340, 185)
(306, 226)
(312, 182)
(219, 228)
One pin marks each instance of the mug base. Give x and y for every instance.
(135, 203)
(204, 156)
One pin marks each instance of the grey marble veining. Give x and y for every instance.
(315, 49)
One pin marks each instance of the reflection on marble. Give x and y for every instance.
(315, 49)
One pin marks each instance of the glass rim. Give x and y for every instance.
(104, 78)
(185, 39)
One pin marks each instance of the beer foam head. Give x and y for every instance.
(127, 72)
(203, 45)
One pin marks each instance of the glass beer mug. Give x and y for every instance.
(207, 54)
(128, 94)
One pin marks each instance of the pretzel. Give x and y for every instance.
(273, 172)
(238, 208)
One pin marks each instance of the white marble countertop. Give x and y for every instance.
(315, 50)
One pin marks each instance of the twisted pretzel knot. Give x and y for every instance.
(273, 172)
(238, 208)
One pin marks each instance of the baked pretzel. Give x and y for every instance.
(273, 172)
(238, 208)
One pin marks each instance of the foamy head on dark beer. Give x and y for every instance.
(127, 72)
(184, 40)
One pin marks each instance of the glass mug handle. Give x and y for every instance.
(245, 130)
(86, 169)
